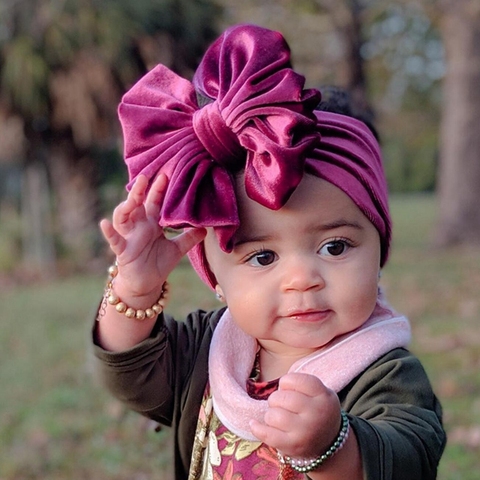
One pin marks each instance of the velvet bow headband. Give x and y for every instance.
(246, 110)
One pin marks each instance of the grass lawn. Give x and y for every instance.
(56, 422)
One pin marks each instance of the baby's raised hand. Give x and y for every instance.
(303, 418)
(145, 256)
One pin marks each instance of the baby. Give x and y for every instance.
(305, 371)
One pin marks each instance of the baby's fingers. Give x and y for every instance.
(132, 208)
(155, 196)
(114, 239)
(303, 383)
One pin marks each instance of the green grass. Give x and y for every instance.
(440, 292)
(56, 422)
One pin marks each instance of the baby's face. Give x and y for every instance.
(300, 276)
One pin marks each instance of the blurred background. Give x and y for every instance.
(411, 67)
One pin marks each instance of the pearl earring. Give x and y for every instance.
(219, 293)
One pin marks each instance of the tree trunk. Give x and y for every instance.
(76, 202)
(355, 75)
(347, 18)
(459, 172)
(37, 236)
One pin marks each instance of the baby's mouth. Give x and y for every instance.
(310, 315)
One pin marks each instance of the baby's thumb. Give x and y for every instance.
(115, 241)
(258, 429)
(189, 238)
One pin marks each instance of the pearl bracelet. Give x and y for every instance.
(307, 465)
(121, 307)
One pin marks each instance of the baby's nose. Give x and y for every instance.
(302, 274)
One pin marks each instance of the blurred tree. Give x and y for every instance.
(422, 43)
(348, 20)
(389, 54)
(405, 62)
(64, 65)
(459, 174)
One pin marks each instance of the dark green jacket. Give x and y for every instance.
(391, 405)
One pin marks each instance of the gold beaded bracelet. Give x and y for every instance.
(121, 307)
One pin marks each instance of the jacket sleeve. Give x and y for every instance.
(397, 419)
(150, 377)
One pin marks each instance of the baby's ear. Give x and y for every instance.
(219, 293)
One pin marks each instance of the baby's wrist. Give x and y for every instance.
(303, 465)
(136, 287)
(118, 295)
(137, 298)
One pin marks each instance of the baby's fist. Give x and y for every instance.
(303, 417)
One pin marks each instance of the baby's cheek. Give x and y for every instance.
(366, 303)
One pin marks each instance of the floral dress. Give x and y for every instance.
(218, 453)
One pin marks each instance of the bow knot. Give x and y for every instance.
(217, 138)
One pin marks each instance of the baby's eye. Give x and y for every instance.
(334, 248)
(262, 259)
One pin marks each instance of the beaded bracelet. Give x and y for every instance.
(122, 307)
(307, 465)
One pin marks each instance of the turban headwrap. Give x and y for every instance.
(246, 111)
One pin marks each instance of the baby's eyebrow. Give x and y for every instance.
(338, 224)
(324, 227)
(242, 239)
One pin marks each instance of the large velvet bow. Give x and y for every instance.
(257, 118)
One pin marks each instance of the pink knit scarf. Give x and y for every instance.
(232, 353)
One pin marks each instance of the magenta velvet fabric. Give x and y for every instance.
(349, 157)
(258, 119)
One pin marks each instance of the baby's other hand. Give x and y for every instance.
(303, 418)
(145, 256)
